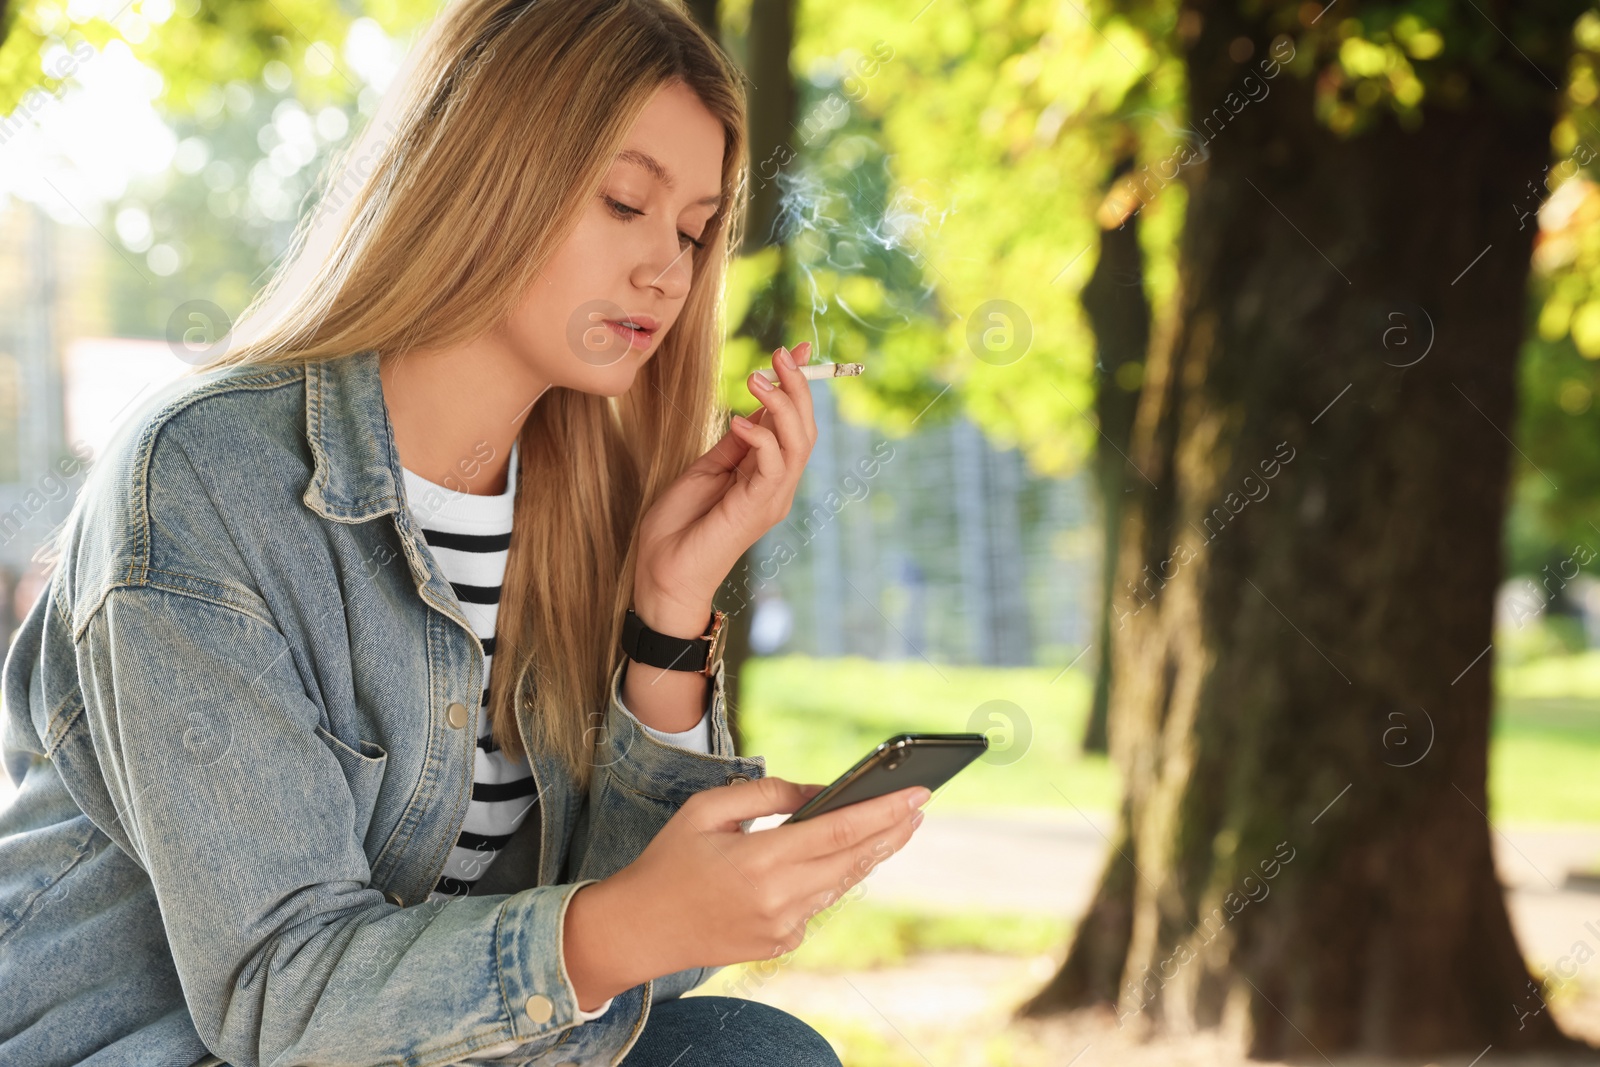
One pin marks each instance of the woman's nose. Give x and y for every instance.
(667, 267)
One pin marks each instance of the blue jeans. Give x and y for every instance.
(726, 1032)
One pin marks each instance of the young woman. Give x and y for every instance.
(274, 807)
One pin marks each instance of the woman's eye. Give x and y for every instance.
(626, 213)
(621, 210)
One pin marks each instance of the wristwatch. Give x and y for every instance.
(698, 654)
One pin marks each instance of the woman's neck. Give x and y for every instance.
(456, 410)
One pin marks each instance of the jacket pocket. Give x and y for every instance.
(363, 770)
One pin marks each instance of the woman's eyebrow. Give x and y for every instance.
(659, 172)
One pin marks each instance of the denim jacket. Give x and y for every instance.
(241, 717)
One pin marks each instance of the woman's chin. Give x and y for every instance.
(614, 380)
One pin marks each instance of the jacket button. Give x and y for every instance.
(539, 1008)
(457, 713)
(394, 898)
(738, 778)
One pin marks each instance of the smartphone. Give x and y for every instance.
(903, 760)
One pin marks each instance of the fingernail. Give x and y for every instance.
(916, 820)
(785, 359)
(919, 796)
(761, 381)
(802, 350)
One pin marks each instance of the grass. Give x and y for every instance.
(813, 718)
(1544, 761)
(858, 935)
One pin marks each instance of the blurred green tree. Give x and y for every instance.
(1557, 503)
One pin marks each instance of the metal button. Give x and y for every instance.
(736, 777)
(457, 713)
(394, 898)
(539, 1008)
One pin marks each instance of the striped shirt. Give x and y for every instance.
(469, 536)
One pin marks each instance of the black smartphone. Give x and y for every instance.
(903, 760)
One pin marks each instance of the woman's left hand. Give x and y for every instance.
(742, 487)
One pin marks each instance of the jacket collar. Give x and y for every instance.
(357, 473)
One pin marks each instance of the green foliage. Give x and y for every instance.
(195, 46)
(1000, 121)
(748, 277)
(1391, 58)
(994, 124)
(1557, 492)
(1556, 505)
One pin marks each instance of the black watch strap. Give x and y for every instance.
(655, 649)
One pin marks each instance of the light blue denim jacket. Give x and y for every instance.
(229, 716)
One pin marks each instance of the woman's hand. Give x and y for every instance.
(704, 893)
(742, 487)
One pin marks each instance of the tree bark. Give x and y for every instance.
(1119, 314)
(1302, 699)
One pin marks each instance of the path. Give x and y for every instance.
(1043, 860)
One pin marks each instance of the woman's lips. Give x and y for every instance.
(635, 338)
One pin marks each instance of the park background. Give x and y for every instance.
(1227, 452)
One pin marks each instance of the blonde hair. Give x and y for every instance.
(503, 126)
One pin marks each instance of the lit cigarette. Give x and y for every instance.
(813, 371)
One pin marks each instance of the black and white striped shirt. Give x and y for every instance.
(470, 536)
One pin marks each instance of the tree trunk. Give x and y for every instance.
(1302, 698)
(769, 43)
(1119, 314)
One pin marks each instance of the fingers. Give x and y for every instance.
(782, 416)
(852, 824)
(789, 400)
(724, 807)
(767, 451)
(801, 390)
(837, 873)
(829, 878)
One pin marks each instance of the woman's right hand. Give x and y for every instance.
(704, 893)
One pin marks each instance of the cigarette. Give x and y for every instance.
(813, 371)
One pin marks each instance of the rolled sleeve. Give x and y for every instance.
(244, 822)
(634, 758)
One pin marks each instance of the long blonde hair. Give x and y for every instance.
(504, 124)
